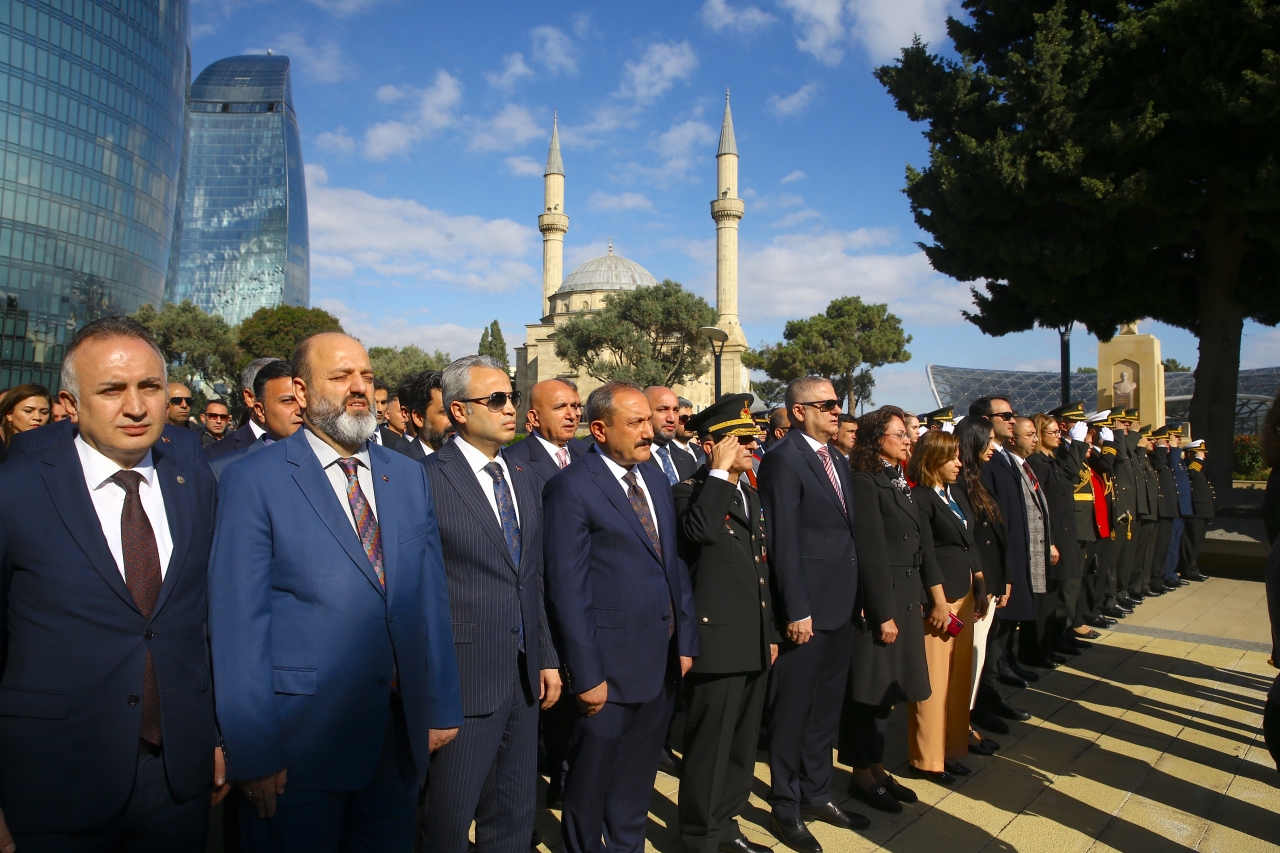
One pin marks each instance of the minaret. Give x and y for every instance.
(553, 223)
(727, 210)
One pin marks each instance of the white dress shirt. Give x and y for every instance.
(619, 472)
(108, 502)
(553, 450)
(258, 432)
(813, 442)
(364, 475)
(720, 474)
(478, 461)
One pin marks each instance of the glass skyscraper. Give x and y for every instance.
(243, 229)
(91, 113)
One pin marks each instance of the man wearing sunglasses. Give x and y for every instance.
(178, 412)
(807, 497)
(686, 439)
(667, 457)
(215, 418)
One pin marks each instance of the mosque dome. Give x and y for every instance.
(607, 272)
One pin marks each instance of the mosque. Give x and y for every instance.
(589, 284)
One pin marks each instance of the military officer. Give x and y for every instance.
(1202, 511)
(721, 534)
(943, 419)
(1124, 476)
(1168, 507)
(1071, 458)
(1148, 502)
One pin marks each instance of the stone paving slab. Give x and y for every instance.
(1141, 745)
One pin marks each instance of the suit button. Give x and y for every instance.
(757, 559)
(904, 536)
(761, 581)
(704, 619)
(133, 699)
(519, 587)
(666, 617)
(515, 630)
(763, 604)
(391, 617)
(149, 634)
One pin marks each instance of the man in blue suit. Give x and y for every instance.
(621, 610)
(555, 410)
(274, 404)
(333, 660)
(490, 514)
(104, 540)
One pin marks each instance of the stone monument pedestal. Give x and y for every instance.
(1131, 375)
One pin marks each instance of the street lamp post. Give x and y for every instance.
(716, 336)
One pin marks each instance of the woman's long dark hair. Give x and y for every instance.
(871, 429)
(974, 435)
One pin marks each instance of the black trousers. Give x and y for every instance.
(1125, 544)
(1193, 531)
(557, 727)
(1160, 555)
(1049, 626)
(1073, 592)
(999, 640)
(1145, 537)
(152, 822)
(1093, 589)
(721, 730)
(863, 729)
(810, 680)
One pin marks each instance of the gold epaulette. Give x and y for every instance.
(1110, 450)
(1195, 466)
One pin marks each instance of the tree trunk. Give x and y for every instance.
(1213, 406)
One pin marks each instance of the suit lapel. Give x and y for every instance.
(459, 473)
(958, 497)
(819, 470)
(541, 460)
(177, 503)
(388, 516)
(70, 497)
(530, 499)
(316, 489)
(617, 496)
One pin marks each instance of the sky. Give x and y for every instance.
(425, 128)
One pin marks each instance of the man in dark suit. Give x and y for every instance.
(490, 514)
(673, 462)
(104, 540)
(383, 400)
(686, 439)
(722, 539)
(334, 667)
(808, 509)
(555, 410)
(275, 405)
(621, 610)
(249, 431)
(1202, 513)
(431, 427)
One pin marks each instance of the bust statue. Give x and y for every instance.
(1123, 392)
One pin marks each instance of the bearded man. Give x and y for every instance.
(334, 668)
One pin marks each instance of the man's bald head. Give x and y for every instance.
(555, 409)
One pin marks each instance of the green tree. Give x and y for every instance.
(1172, 365)
(1101, 163)
(198, 347)
(842, 344)
(276, 331)
(392, 365)
(493, 344)
(648, 335)
(1083, 369)
(769, 392)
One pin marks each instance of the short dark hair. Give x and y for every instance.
(417, 396)
(981, 407)
(100, 329)
(600, 401)
(846, 418)
(798, 387)
(778, 418)
(405, 392)
(379, 385)
(271, 370)
(217, 401)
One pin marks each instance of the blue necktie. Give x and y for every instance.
(955, 507)
(664, 456)
(507, 515)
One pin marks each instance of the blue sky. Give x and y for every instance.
(425, 128)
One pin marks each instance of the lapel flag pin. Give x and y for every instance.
(182, 480)
(384, 479)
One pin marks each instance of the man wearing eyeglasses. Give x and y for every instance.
(216, 417)
(807, 497)
(179, 410)
(490, 514)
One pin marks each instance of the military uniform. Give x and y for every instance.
(1167, 506)
(1148, 500)
(1202, 511)
(721, 533)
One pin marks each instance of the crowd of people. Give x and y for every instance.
(375, 616)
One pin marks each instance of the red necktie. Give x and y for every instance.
(825, 456)
(142, 577)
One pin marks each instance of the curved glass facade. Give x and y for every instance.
(243, 232)
(91, 113)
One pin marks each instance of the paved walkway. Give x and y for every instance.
(1144, 744)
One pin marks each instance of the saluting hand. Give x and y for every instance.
(725, 453)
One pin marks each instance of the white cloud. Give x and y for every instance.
(905, 385)
(513, 68)
(524, 167)
(820, 26)
(657, 71)
(793, 104)
(434, 111)
(410, 244)
(796, 217)
(605, 120)
(337, 141)
(344, 7)
(773, 201)
(884, 27)
(797, 175)
(323, 61)
(582, 25)
(720, 16)
(607, 203)
(510, 128)
(797, 275)
(554, 50)
(389, 94)
(399, 331)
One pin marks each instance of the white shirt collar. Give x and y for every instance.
(477, 460)
(98, 469)
(327, 455)
(551, 448)
(617, 470)
(683, 445)
(257, 431)
(813, 442)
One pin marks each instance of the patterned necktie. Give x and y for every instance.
(641, 507)
(562, 457)
(366, 522)
(510, 524)
(825, 455)
(1035, 484)
(664, 456)
(142, 577)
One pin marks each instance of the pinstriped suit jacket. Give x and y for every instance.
(488, 595)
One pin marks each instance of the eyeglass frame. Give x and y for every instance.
(826, 406)
(178, 401)
(513, 396)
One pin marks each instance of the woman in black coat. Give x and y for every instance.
(888, 664)
(938, 727)
(1047, 463)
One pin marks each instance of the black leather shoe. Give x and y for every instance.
(1137, 596)
(1179, 582)
(942, 777)
(1154, 591)
(1022, 672)
(988, 721)
(900, 792)
(836, 816)
(1063, 646)
(742, 845)
(670, 764)
(955, 768)
(1079, 643)
(1195, 576)
(793, 833)
(536, 841)
(878, 797)
(984, 742)
(981, 747)
(1002, 708)
(1098, 622)
(1045, 663)
(1115, 611)
(1012, 680)
(1128, 601)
